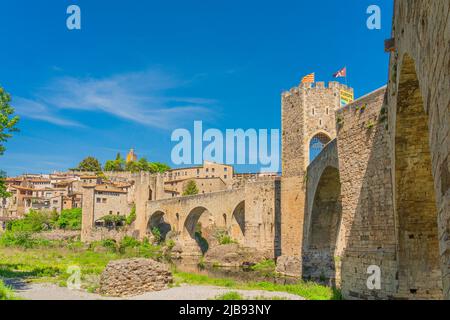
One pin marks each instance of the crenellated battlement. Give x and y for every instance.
(317, 86)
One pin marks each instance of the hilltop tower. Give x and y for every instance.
(308, 123)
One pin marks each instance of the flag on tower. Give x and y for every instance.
(309, 78)
(341, 73)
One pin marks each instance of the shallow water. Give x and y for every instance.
(191, 265)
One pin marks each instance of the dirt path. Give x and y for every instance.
(49, 291)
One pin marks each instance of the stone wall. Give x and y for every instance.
(367, 225)
(418, 81)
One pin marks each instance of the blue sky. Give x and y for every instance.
(139, 69)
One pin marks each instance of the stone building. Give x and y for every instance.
(210, 177)
(105, 199)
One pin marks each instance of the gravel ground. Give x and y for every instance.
(49, 291)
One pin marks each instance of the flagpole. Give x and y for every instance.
(346, 76)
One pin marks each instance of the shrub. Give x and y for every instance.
(223, 237)
(129, 242)
(132, 216)
(109, 244)
(70, 219)
(22, 239)
(157, 234)
(170, 244)
(34, 221)
(113, 220)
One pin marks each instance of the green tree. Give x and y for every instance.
(132, 166)
(190, 188)
(3, 188)
(8, 120)
(158, 167)
(8, 125)
(115, 165)
(110, 165)
(90, 164)
(143, 164)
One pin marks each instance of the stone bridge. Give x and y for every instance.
(322, 219)
(249, 215)
(379, 194)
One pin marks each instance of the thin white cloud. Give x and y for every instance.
(141, 97)
(36, 110)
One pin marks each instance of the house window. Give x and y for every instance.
(225, 169)
(110, 212)
(213, 169)
(104, 200)
(99, 200)
(327, 110)
(207, 169)
(312, 111)
(225, 176)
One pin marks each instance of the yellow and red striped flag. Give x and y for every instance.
(309, 78)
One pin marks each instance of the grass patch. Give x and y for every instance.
(232, 295)
(49, 261)
(265, 267)
(6, 293)
(308, 290)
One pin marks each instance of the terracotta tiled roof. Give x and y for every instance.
(88, 177)
(109, 188)
(23, 188)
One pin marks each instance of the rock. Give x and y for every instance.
(176, 251)
(131, 277)
(232, 255)
(289, 265)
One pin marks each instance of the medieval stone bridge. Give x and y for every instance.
(378, 194)
(248, 214)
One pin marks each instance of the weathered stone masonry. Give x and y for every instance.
(393, 149)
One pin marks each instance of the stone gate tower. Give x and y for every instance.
(308, 123)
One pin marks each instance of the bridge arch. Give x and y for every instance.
(198, 227)
(419, 272)
(158, 221)
(323, 215)
(237, 228)
(326, 212)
